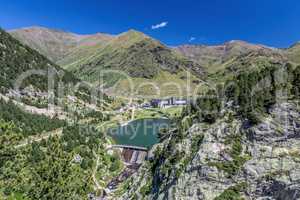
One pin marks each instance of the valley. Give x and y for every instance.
(102, 116)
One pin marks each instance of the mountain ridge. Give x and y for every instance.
(210, 55)
(53, 43)
(293, 52)
(141, 56)
(17, 58)
(132, 52)
(137, 55)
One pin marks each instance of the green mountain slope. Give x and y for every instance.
(38, 152)
(138, 57)
(293, 53)
(56, 44)
(85, 47)
(246, 62)
(132, 55)
(214, 56)
(52, 43)
(17, 58)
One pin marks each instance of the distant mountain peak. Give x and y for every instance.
(133, 33)
(297, 44)
(44, 30)
(223, 45)
(54, 43)
(211, 55)
(131, 37)
(236, 41)
(41, 29)
(29, 27)
(243, 43)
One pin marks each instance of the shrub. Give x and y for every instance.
(233, 192)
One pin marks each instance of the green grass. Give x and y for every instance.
(173, 112)
(146, 189)
(148, 113)
(164, 84)
(170, 112)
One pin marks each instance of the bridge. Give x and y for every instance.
(128, 147)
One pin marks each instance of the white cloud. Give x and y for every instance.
(192, 39)
(160, 25)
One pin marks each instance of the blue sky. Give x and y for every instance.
(271, 22)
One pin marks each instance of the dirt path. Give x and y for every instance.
(97, 185)
(132, 113)
(38, 138)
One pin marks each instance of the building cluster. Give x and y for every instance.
(163, 103)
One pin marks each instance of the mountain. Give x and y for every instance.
(239, 140)
(247, 62)
(294, 53)
(40, 140)
(143, 59)
(210, 56)
(135, 60)
(133, 54)
(16, 59)
(56, 44)
(85, 47)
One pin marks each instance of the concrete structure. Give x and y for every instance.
(129, 147)
(162, 103)
(132, 157)
(132, 154)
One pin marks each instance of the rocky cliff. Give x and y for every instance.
(238, 142)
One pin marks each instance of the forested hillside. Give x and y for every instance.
(16, 58)
(44, 153)
(29, 124)
(49, 169)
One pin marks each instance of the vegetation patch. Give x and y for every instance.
(30, 124)
(17, 58)
(146, 189)
(232, 167)
(233, 192)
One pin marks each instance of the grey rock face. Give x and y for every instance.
(271, 169)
